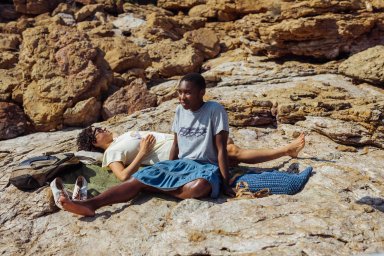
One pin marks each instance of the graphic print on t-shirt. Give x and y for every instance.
(190, 132)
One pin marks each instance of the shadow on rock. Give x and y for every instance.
(375, 202)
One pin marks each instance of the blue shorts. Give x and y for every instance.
(172, 174)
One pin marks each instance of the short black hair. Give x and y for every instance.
(85, 139)
(195, 78)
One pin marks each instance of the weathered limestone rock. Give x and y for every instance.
(112, 6)
(204, 11)
(17, 27)
(8, 81)
(158, 26)
(13, 122)
(296, 9)
(315, 36)
(35, 6)
(165, 91)
(171, 58)
(127, 56)
(129, 99)
(338, 212)
(179, 4)
(143, 10)
(330, 98)
(367, 65)
(9, 41)
(8, 59)
(249, 112)
(64, 69)
(88, 11)
(127, 22)
(84, 113)
(204, 40)
(64, 8)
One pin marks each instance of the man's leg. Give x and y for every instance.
(253, 156)
(195, 189)
(117, 194)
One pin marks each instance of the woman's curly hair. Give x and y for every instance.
(86, 138)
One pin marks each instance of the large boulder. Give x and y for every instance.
(171, 58)
(127, 56)
(204, 40)
(13, 121)
(62, 70)
(84, 113)
(35, 6)
(129, 99)
(367, 65)
(88, 11)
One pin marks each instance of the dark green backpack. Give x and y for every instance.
(37, 171)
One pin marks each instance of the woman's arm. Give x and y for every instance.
(173, 155)
(124, 173)
(222, 157)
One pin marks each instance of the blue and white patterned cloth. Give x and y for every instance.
(277, 182)
(172, 174)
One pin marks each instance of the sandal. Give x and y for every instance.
(58, 189)
(243, 192)
(80, 192)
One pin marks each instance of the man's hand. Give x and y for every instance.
(228, 191)
(147, 144)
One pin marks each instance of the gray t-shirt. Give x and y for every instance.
(196, 131)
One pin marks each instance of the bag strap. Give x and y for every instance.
(37, 158)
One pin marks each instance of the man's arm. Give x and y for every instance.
(222, 155)
(173, 155)
(124, 173)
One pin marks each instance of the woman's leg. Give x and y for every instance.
(128, 190)
(253, 156)
(117, 194)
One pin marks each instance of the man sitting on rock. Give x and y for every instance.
(200, 142)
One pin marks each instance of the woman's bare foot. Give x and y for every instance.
(76, 207)
(296, 146)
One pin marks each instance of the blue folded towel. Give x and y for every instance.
(277, 182)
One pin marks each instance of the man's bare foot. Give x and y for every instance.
(296, 146)
(76, 207)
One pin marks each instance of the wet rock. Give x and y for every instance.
(13, 121)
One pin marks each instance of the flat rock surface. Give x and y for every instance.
(339, 211)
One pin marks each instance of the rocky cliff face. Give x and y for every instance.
(278, 67)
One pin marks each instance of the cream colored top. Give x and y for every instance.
(125, 148)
